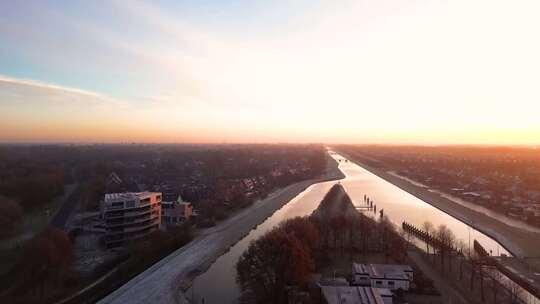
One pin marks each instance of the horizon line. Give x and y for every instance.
(60, 143)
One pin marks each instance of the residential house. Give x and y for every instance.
(175, 212)
(389, 276)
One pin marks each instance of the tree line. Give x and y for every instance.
(475, 275)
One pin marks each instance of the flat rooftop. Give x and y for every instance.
(382, 270)
(351, 295)
(115, 197)
(175, 203)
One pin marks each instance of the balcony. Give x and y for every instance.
(131, 212)
(119, 238)
(117, 222)
(135, 228)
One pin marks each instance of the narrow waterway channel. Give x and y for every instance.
(218, 283)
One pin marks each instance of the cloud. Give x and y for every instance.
(27, 90)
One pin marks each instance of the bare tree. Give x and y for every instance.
(461, 246)
(496, 277)
(515, 292)
(406, 235)
(447, 239)
(385, 226)
(427, 226)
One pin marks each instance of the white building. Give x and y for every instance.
(355, 295)
(386, 294)
(131, 215)
(175, 212)
(389, 276)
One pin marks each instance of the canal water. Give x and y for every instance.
(218, 283)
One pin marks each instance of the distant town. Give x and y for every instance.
(503, 179)
(268, 223)
(89, 204)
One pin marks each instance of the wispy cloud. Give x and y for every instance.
(14, 90)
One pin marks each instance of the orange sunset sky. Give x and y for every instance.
(424, 72)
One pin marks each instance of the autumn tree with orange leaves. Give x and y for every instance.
(44, 266)
(280, 258)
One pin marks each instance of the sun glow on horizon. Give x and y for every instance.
(426, 72)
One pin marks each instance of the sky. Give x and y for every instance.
(371, 71)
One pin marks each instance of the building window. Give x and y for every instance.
(391, 283)
(378, 282)
(117, 205)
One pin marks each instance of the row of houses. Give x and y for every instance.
(131, 215)
(228, 189)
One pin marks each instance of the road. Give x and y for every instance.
(72, 197)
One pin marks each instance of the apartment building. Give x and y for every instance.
(129, 216)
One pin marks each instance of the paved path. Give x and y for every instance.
(70, 202)
(449, 294)
(58, 221)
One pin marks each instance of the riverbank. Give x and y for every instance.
(165, 281)
(520, 242)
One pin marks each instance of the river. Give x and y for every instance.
(218, 284)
